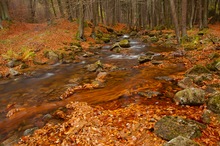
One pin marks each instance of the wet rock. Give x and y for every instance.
(179, 53)
(97, 84)
(95, 67)
(133, 33)
(166, 78)
(1, 76)
(124, 43)
(199, 79)
(190, 96)
(13, 72)
(154, 39)
(52, 56)
(181, 141)
(88, 54)
(185, 83)
(197, 70)
(170, 127)
(29, 131)
(214, 103)
(149, 94)
(144, 58)
(37, 61)
(155, 62)
(105, 39)
(101, 76)
(47, 117)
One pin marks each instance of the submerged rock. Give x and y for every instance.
(145, 58)
(214, 103)
(181, 141)
(170, 127)
(190, 96)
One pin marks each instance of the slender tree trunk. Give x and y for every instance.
(205, 15)
(184, 14)
(53, 7)
(81, 20)
(61, 8)
(192, 14)
(4, 10)
(69, 11)
(175, 20)
(200, 14)
(47, 11)
(33, 10)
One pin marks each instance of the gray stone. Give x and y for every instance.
(13, 72)
(13, 63)
(206, 116)
(190, 96)
(170, 127)
(29, 131)
(185, 83)
(181, 141)
(214, 103)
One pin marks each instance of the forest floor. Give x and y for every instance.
(83, 124)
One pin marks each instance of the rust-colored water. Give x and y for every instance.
(40, 94)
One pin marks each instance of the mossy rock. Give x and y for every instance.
(105, 39)
(214, 103)
(181, 141)
(170, 127)
(197, 70)
(124, 43)
(215, 65)
(154, 39)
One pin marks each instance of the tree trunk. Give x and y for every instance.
(47, 11)
(61, 8)
(200, 14)
(175, 20)
(54, 9)
(33, 10)
(81, 20)
(4, 10)
(192, 14)
(205, 15)
(184, 14)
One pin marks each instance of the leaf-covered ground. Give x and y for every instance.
(83, 124)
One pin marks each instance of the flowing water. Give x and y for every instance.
(38, 95)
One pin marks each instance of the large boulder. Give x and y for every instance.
(170, 127)
(181, 141)
(190, 96)
(214, 103)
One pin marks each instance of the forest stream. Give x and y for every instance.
(36, 96)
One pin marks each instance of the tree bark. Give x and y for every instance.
(47, 11)
(184, 14)
(54, 9)
(200, 14)
(192, 14)
(81, 20)
(205, 15)
(175, 20)
(61, 8)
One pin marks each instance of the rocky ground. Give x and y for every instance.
(192, 119)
